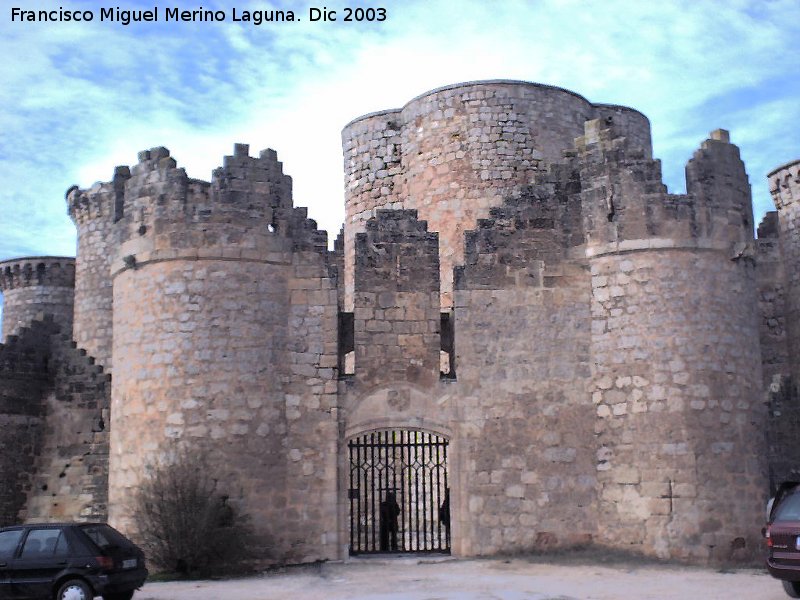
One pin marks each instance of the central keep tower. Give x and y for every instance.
(455, 152)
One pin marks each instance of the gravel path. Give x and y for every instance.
(481, 579)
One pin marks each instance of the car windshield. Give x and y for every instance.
(789, 509)
(105, 536)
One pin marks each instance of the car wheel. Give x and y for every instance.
(75, 589)
(792, 588)
(119, 596)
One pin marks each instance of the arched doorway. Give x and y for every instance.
(399, 492)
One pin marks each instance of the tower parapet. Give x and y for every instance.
(37, 285)
(627, 207)
(715, 175)
(245, 209)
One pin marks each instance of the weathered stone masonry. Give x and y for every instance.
(54, 404)
(610, 364)
(31, 286)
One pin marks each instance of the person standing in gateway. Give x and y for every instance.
(389, 511)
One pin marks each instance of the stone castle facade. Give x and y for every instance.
(603, 361)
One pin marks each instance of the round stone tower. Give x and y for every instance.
(94, 212)
(784, 185)
(677, 378)
(37, 285)
(200, 317)
(455, 152)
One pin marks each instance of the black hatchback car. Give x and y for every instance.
(68, 561)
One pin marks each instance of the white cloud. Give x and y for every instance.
(89, 97)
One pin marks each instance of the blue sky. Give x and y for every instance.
(76, 99)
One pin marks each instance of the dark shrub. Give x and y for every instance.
(186, 524)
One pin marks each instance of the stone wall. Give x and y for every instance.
(94, 212)
(373, 178)
(309, 520)
(783, 453)
(522, 326)
(71, 470)
(660, 392)
(54, 410)
(34, 286)
(25, 379)
(397, 316)
(771, 300)
(784, 185)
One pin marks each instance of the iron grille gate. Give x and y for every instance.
(399, 496)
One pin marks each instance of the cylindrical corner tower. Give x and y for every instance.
(677, 368)
(455, 152)
(37, 285)
(94, 212)
(200, 318)
(784, 185)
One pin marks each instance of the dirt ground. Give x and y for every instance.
(478, 579)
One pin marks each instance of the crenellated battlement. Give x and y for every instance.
(398, 222)
(157, 158)
(50, 271)
(716, 177)
(101, 201)
(396, 302)
(769, 227)
(626, 202)
(525, 237)
(245, 211)
(394, 250)
(34, 286)
(244, 192)
(250, 182)
(784, 184)
(305, 233)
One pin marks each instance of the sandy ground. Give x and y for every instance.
(484, 579)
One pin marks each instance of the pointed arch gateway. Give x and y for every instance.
(399, 492)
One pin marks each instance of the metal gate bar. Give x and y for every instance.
(399, 496)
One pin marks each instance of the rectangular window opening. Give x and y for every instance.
(447, 353)
(347, 353)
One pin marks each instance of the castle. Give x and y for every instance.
(519, 337)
